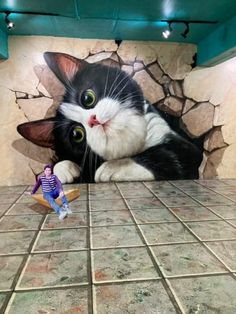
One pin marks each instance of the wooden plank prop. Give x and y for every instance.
(70, 195)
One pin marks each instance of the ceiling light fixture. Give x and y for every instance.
(166, 33)
(184, 34)
(9, 23)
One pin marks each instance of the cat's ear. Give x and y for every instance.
(39, 132)
(64, 66)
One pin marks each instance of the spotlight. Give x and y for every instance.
(168, 31)
(9, 23)
(184, 34)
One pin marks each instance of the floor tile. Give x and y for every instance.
(20, 222)
(107, 205)
(232, 222)
(153, 215)
(187, 213)
(4, 208)
(115, 236)
(226, 250)
(62, 239)
(15, 242)
(109, 217)
(226, 211)
(54, 269)
(210, 295)
(26, 199)
(79, 206)
(130, 191)
(144, 203)
(137, 186)
(28, 209)
(185, 183)
(182, 259)
(120, 264)
(195, 190)
(138, 298)
(213, 183)
(68, 301)
(97, 187)
(99, 192)
(3, 299)
(212, 200)
(113, 229)
(82, 188)
(178, 201)
(71, 221)
(212, 230)
(9, 265)
(12, 189)
(166, 233)
(8, 198)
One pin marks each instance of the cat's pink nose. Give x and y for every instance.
(93, 121)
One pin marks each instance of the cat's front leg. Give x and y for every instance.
(67, 171)
(122, 170)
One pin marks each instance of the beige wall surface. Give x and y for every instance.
(202, 98)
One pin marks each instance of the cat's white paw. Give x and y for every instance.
(122, 170)
(66, 171)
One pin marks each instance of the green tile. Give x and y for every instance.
(51, 301)
(55, 269)
(139, 298)
(115, 236)
(182, 259)
(15, 242)
(9, 265)
(210, 295)
(62, 239)
(166, 233)
(119, 264)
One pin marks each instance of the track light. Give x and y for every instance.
(168, 31)
(9, 23)
(184, 34)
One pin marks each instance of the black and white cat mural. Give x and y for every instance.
(105, 130)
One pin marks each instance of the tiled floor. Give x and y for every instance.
(154, 247)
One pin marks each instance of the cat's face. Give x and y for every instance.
(105, 108)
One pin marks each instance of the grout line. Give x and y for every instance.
(40, 288)
(23, 266)
(152, 257)
(90, 257)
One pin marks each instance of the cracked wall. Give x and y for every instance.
(197, 97)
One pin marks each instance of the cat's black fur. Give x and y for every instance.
(173, 158)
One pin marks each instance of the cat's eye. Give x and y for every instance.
(77, 134)
(88, 98)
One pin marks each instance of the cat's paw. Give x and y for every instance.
(66, 171)
(122, 170)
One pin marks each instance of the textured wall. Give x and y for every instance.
(203, 99)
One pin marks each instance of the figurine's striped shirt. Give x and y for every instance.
(48, 184)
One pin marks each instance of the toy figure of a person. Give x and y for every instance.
(52, 188)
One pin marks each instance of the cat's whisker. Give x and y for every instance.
(126, 77)
(107, 76)
(111, 88)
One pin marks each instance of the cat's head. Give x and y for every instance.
(102, 108)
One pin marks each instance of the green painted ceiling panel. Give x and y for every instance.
(122, 19)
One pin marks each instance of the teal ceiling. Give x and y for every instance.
(126, 20)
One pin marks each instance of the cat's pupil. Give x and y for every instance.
(88, 98)
(77, 134)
